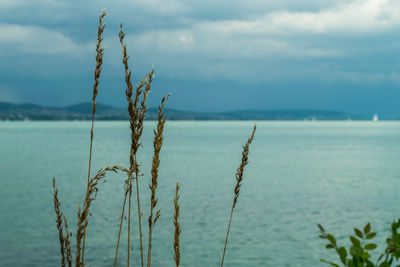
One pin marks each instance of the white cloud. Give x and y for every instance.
(25, 3)
(162, 6)
(276, 32)
(361, 16)
(38, 40)
(213, 40)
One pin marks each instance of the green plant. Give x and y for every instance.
(359, 252)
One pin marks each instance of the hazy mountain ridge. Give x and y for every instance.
(83, 111)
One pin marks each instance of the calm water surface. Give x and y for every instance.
(339, 174)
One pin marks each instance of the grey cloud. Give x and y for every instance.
(256, 53)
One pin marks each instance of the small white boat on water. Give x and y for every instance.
(375, 117)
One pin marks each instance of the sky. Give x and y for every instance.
(340, 55)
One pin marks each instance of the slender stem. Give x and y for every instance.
(149, 249)
(136, 125)
(227, 235)
(120, 228)
(59, 223)
(388, 250)
(157, 144)
(90, 196)
(239, 179)
(177, 256)
(97, 71)
(139, 215)
(89, 168)
(129, 220)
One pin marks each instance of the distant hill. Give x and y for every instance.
(83, 111)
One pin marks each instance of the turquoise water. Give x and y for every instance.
(339, 174)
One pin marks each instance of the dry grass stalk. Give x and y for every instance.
(128, 183)
(59, 223)
(177, 256)
(239, 178)
(97, 72)
(136, 140)
(90, 196)
(133, 114)
(157, 144)
(67, 244)
(137, 116)
(120, 229)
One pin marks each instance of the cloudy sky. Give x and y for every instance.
(210, 55)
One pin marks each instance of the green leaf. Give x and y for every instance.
(331, 238)
(396, 238)
(370, 235)
(355, 241)
(356, 251)
(384, 264)
(395, 226)
(366, 255)
(329, 246)
(396, 254)
(343, 254)
(370, 246)
(358, 233)
(367, 228)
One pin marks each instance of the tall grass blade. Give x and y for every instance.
(59, 222)
(239, 178)
(157, 144)
(177, 253)
(97, 72)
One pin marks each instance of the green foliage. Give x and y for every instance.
(359, 252)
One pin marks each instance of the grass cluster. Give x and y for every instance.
(136, 101)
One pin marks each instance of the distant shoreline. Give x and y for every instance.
(82, 112)
(199, 120)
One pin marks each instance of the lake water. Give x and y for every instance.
(339, 174)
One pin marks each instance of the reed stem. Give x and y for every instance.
(59, 223)
(120, 228)
(137, 116)
(239, 178)
(157, 144)
(140, 220)
(97, 72)
(90, 196)
(177, 255)
(67, 244)
(129, 223)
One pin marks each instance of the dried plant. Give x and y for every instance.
(157, 144)
(67, 243)
(239, 178)
(97, 72)
(136, 140)
(137, 111)
(136, 118)
(59, 222)
(177, 255)
(90, 196)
